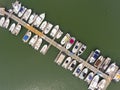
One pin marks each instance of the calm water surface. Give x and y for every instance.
(94, 22)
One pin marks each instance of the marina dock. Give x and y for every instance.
(58, 46)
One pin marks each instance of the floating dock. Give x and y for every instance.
(58, 46)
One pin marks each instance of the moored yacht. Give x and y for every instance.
(105, 64)
(43, 25)
(39, 20)
(59, 34)
(48, 28)
(38, 43)
(72, 65)
(6, 23)
(89, 77)
(54, 31)
(99, 61)
(76, 47)
(65, 39)
(27, 36)
(101, 84)
(66, 62)
(70, 43)
(94, 82)
(44, 48)
(78, 69)
(33, 40)
(117, 76)
(2, 20)
(32, 18)
(95, 56)
(22, 11)
(111, 69)
(83, 74)
(16, 30)
(82, 49)
(27, 14)
(16, 7)
(12, 27)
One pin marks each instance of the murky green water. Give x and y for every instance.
(94, 22)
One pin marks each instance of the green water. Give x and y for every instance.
(94, 22)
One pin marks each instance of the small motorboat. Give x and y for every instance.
(94, 82)
(66, 62)
(33, 40)
(43, 25)
(83, 74)
(12, 27)
(22, 11)
(27, 36)
(101, 84)
(59, 34)
(2, 20)
(89, 77)
(72, 65)
(117, 76)
(38, 44)
(54, 31)
(48, 28)
(39, 20)
(82, 49)
(70, 43)
(16, 30)
(27, 14)
(65, 39)
(76, 47)
(44, 48)
(78, 69)
(6, 23)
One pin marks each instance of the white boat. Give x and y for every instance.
(27, 36)
(99, 61)
(54, 31)
(16, 7)
(70, 43)
(82, 49)
(65, 39)
(76, 47)
(22, 11)
(48, 28)
(17, 29)
(111, 69)
(78, 69)
(94, 82)
(44, 48)
(2, 20)
(6, 23)
(32, 18)
(95, 56)
(60, 59)
(12, 27)
(38, 44)
(60, 33)
(66, 62)
(117, 76)
(89, 77)
(83, 74)
(27, 14)
(33, 40)
(101, 84)
(105, 64)
(43, 25)
(72, 65)
(39, 20)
